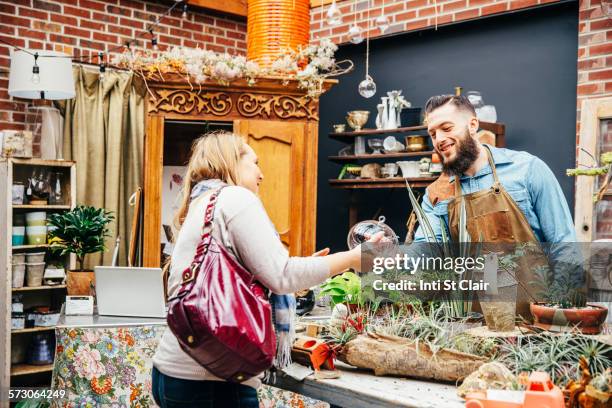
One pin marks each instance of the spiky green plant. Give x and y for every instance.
(558, 355)
(459, 306)
(80, 231)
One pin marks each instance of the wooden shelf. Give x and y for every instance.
(41, 207)
(24, 247)
(26, 369)
(42, 162)
(33, 330)
(497, 128)
(380, 156)
(395, 182)
(369, 132)
(33, 288)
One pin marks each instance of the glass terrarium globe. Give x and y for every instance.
(362, 231)
(367, 87)
(355, 34)
(382, 22)
(333, 16)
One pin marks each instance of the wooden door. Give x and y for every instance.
(281, 148)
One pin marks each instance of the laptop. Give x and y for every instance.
(129, 291)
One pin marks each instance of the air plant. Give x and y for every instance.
(558, 355)
(604, 168)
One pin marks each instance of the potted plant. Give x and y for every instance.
(80, 231)
(345, 288)
(563, 306)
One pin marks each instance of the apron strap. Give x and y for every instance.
(491, 164)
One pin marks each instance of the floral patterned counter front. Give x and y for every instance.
(106, 362)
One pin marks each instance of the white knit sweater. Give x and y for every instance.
(242, 225)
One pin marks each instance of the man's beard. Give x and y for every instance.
(467, 153)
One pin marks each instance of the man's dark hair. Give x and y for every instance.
(460, 102)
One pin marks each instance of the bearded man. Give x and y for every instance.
(509, 196)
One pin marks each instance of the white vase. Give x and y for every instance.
(385, 112)
(391, 115)
(379, 118)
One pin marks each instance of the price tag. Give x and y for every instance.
(79, 305)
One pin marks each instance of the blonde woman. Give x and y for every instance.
(242, 225)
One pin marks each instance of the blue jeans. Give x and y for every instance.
(170, 392)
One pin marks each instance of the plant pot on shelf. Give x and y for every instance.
(588, 320)
(80, 283)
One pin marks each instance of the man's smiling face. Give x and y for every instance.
(449, 128)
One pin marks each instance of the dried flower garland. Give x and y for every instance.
(310, 66)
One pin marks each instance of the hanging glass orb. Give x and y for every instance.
(362, 231)
(367, 87)
(355, 34)
(382, 22)
(334, 17)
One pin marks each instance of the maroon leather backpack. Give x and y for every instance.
(221, 316)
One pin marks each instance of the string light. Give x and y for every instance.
(87, 57)
(102, 66)
(35, 71)
(153, 40)
(185, 10)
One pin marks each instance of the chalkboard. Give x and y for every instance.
(524, 63)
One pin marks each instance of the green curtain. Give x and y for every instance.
(104, 134)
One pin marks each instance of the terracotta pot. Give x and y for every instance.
(587, 320)
(79, 283)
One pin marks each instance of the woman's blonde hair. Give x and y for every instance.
(214, 155)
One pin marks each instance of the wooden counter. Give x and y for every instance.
(362, 389)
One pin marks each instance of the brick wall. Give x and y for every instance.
(594, 53)
(81, 27)
(409, 15)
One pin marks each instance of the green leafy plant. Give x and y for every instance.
(345, 288)
(80, 231)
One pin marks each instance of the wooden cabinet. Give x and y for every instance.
(276, 119)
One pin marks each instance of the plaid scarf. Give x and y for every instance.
(283, 306)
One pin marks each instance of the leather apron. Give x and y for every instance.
(494, 217)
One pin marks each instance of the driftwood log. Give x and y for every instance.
(390, 355)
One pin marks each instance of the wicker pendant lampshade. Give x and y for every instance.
(275, 25)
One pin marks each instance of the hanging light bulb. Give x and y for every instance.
(35, 71)
(185, 10)
(334, 17)
(153, 40)
(606, 7)
(355, 34)
(102, 66)
(382, 22)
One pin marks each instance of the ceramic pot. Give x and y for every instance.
(37, 235)
(18, 274)
(80, 283)
(588, 320)
(35, 257)
(35, 273)
(36, 218)
(18, 236)
(415, 143)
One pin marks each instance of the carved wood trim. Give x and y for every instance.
(185, 102)
(282, 106)
(246, 105)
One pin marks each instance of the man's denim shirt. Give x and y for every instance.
(530, 183)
